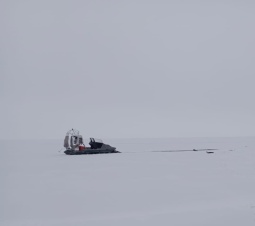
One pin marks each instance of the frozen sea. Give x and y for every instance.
(42, 186)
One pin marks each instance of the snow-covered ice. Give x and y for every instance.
(41, 186)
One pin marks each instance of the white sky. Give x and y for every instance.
(127, 68)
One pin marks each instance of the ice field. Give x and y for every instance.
(42, 186)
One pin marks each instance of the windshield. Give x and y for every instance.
(96, 140)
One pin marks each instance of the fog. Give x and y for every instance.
(129, 69)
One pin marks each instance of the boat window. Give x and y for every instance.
(98, 140)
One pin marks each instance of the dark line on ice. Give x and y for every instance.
(208, 149)
(186, 150)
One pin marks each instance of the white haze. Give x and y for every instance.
(127, 68)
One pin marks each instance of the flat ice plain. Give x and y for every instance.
(41, 186)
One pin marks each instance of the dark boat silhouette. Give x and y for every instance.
(74, 145)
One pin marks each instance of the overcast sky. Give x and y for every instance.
(127, 68)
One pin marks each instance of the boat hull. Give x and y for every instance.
(90, 151)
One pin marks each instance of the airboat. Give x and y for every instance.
(74, 145)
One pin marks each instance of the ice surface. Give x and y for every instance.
(41, 186)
